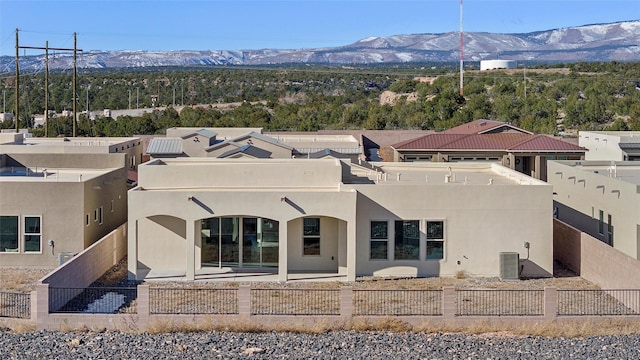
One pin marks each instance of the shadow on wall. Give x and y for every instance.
(176, 225)
(529, 269)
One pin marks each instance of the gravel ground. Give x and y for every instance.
(332, 345)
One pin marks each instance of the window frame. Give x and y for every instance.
(25, 233)
(384, 240)
(100, 215)
(17, 235)
(601, 222)
(312, 237)
(435, 239)
(395, 240)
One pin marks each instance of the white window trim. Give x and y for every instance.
(100, 215)
(24, 234)
(87, 220)
(443, 240)
(19, 235)
(371, 239)
(319, 237)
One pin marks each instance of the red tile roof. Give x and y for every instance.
(517, 142)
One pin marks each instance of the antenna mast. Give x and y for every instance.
(461, 55)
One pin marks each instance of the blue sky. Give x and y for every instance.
(292, 24)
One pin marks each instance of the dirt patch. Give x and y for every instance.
(22, 280)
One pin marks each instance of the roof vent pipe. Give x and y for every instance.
(490, 181)
(398, 177)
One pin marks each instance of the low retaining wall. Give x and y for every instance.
(79, 272)
(594, 260)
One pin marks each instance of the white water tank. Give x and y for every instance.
(498, 64)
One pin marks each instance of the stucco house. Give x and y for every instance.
(488, 140)
(611, 145)
(59, 196)
(601, 199)
(192, 216)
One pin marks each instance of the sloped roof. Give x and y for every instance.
(262, 137)
(517, 142)
(248, 150)
(483, 126)
(327, 152)
(202, 132)
(165, 146)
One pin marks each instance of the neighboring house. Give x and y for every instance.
(53, 206)
(601, 199)
(611, 145)
(306, 144)
(190, 216)
(375, 144)
(60, 195)
(131, 147)
(487, 140)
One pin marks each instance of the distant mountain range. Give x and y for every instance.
(618, 41)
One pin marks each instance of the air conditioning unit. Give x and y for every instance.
(63, 257)
(509, 266)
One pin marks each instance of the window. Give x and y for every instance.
(8, 233)
(435, 240)
(407, 240)
(95, 215)
(32, 234)
(311, 236)
(379, 240)
(112, 207)
(100, 215)
(87, 220)
(610, 229)
(601, 222)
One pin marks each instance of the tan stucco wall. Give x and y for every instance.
(480, 222)
(327, 261)
(63, 206)
(587, 192)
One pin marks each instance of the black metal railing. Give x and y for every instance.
(295, 301)
(97, 300)
(598, 302)
(15, 304)
(397, 302)
(499, 302)
(193, 301)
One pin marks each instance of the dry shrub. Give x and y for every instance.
(384, 324)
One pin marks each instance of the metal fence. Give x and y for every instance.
(193, 301)
(295, 301)
(397, 302)
(15, 304)
(598, 302)
(499, 302)
(97, 300)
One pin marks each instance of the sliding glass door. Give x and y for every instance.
(221, 245)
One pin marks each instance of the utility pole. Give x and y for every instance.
(17, 104)
(46, 88)
(137, 98)
(129, 91)
(75, 75)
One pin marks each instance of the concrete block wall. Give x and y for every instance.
(594, 260)
(566, 245)
(86, 267)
